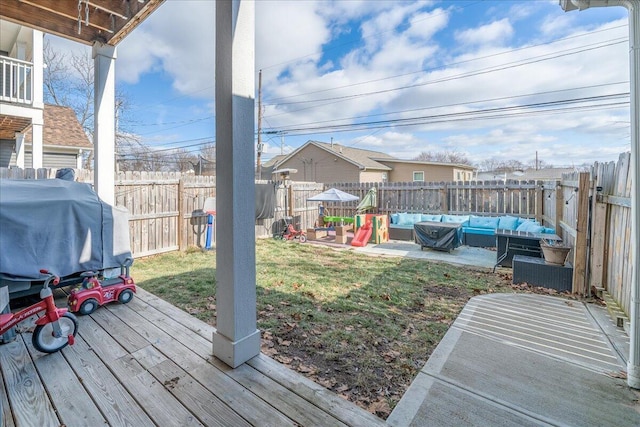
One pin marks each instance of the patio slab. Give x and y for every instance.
(463, 255)
(519, 360)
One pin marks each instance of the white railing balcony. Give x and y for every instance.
(16, 81)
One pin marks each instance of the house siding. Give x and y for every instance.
(403, 172)
(52, 160)
(372, 176)
(7, 155)
(317, 165)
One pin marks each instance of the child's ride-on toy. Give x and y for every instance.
(93, 293)
(54, 330)
(290, 233)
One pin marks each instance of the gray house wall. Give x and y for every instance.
(317, 165)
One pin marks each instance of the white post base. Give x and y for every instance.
(236, 353)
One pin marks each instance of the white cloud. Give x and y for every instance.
(497, 32)
(380, 46)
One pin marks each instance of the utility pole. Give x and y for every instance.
(258, 164)
(281, 143)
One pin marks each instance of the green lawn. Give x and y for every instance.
(361, 326)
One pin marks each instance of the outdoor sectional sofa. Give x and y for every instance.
(479, 231)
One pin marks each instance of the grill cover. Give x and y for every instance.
(58, 225)
(438, 235)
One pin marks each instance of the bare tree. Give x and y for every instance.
(444, 157)
(69, 81)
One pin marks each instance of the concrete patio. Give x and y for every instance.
(524, 360)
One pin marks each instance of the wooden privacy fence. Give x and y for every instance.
(591, 211)
(518, 198)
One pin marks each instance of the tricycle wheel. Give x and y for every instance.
(89, 306)
(44, 339)
(125, 296)
(303, 238)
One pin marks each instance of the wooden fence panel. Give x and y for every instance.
(619, 269)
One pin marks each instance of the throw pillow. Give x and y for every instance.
(508, 222)
(530, 227)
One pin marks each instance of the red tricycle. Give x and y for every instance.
(55, 329)
(290, 233)
(93, 292)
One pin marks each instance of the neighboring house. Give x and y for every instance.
(524, 175)
(33, 134)
(413, 170)
(327, 162)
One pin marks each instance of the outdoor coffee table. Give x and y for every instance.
(441, 236)
(511, 242)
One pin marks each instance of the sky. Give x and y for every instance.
(492, 80)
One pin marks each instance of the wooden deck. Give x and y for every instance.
(147, 363)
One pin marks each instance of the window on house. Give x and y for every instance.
(458, 176)
(385, 177)
(418, 176)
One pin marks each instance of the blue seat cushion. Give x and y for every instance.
(479, 230)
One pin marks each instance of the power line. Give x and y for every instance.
(469, 115)
(457, 104)
(459, 76)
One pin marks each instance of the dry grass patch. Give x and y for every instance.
(361, 326)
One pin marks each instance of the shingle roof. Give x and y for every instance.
(62, 129)
(362, 158)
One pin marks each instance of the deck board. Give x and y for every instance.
(28, 399)
(149, 363)
(71, 400)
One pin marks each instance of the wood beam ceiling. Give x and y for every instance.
(109, 20)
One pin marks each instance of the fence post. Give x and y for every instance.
(580, 250)
(290, 201)
(180, 225)
(539, 202)
(599, 235)
(444, 198)
(559, 209)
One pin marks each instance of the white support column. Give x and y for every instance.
(38, 70)
(633, 365)
(104, 125)
(36, 142)
(20, 150)
(237, 339)
(633, 6)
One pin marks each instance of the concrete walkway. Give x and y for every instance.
(524, 360)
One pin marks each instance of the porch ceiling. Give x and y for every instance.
(9, 125)
(109, 21)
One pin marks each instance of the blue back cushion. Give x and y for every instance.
(394, 218)
(508, 222)
(530, 226)
(455, 218)
(484, 222)
(405, 219)
(433, 218)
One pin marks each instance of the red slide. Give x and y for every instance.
(362, 235)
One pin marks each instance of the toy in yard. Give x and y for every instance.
(93, 293)
(54, 330)
(379, 224)
(290, 233)
(362, 235)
